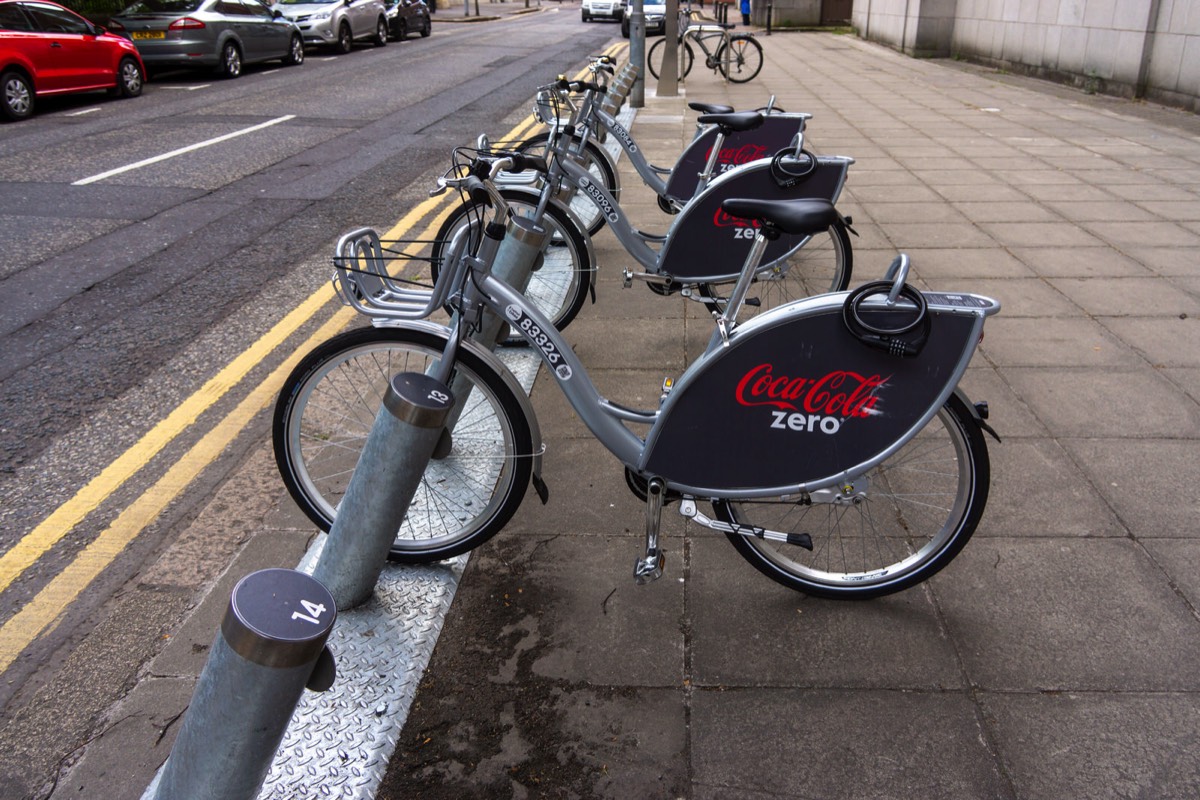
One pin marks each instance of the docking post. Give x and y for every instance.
(398, 448)
(270, 646)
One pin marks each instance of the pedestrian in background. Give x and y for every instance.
(745, 12)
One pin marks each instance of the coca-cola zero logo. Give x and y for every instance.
(736, 156)
(811, 404)
(742, 228)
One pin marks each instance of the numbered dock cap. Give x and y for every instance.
(278, 618)
(418, 400)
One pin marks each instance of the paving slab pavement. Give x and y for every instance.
(1057, 656)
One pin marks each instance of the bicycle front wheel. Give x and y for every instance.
(741, 59)
(654, 58)
(559, 286)
(596, 162)
(822, 265)
(329, 403)
(892, 528)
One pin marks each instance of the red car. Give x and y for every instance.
(46, 49)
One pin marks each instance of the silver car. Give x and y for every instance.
(338, 23)
(212, 34)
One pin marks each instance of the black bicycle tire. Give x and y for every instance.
(687, 57)
(957, 417)
(741, 37)
(289, 457)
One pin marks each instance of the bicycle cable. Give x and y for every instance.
(905, 340)
(786, 176)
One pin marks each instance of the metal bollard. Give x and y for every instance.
(519, 256)
(270, 646)
(398, 448)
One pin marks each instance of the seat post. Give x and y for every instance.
(707, 173)
(725, 322)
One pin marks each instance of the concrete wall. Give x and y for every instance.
(784, 13)
(1136, 48)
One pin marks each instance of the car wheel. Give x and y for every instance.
(295, 54)
(130, 78)
(585, 16)
(625, 28)
(231, 61)
(16, 103)
(428, 29)
(381, 33)
(345, 41)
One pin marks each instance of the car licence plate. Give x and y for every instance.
(149, 34)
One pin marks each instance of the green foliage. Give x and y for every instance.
(96, 10)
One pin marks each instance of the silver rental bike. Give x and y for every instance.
(826, 439)
(698, 254)
(592, 120)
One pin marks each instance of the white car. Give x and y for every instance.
(338, 23)
(603, 9)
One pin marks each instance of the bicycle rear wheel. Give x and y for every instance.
(655, 57)
(823, 264)
(892, 528)
(596, 162)
(560, 285)
(741, 59)
(327, 407)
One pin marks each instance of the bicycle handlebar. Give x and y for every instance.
(578, 86)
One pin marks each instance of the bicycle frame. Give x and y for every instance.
(696, 166)
(855, 406)
(700, 244)
(829, 399)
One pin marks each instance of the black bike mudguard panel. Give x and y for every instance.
(706, 244)
(800, 402)
(776, 133)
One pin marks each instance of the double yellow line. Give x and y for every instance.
(44, 610)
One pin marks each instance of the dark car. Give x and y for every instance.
(211, 34)
(655, 14)
(406, 16)
(46, 49)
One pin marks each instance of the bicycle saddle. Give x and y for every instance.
(710, 108)
(800, 217)
(733, 121)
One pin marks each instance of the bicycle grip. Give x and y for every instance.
(523, 162)
(477, 191)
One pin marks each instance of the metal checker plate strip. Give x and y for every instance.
(339, 742)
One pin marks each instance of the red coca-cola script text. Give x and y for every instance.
(840, 393)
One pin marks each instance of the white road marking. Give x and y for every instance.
(181, 151)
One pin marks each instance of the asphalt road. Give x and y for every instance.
(125, 296)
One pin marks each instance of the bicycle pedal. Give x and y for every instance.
(649, 568)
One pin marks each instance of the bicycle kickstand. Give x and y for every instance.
(650, 567)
